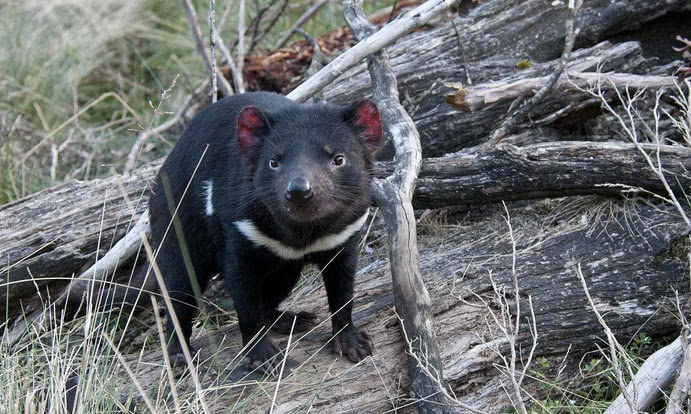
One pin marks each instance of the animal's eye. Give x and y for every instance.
(339, 160)
(273, 163)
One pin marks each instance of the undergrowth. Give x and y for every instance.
(593, 387)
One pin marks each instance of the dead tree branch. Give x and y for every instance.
(394, 196)
(480, 97)
(241, 47)
(277, 11)
(630, 396)
(193, 23)
(317, 61)
(300, 21)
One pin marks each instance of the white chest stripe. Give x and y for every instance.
(249, 230)
(208, 193)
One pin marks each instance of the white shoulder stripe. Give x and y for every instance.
(208, 187)
(249, 230)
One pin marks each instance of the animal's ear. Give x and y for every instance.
(252, 123)
(363, 115)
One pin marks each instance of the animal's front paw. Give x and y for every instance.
(177, 355)
(263, 356)
(354, 343)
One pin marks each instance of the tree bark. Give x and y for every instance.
(45, 247)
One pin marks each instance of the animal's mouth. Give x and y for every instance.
(306, 212)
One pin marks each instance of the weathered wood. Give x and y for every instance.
(394, 196)
(493, 42)
(680, 396)
(631, 254)
(48, 237)
(481, 96)
(52, 236)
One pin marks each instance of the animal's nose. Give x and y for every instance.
(299, 190)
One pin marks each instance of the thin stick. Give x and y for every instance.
(682, 386)
(300, 21)
(241, 47)
(212, 47)
(317, 61)
(272, 22)
(614, 346)
(228, 58)
(193, 23)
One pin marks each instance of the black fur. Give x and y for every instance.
(303, 140)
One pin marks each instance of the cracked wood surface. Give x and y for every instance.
(627, 253)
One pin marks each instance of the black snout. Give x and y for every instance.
(299, 190)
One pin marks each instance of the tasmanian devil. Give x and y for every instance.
(259, 186)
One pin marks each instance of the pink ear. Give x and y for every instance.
(251, 122)
(365, 114)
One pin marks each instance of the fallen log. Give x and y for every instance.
(631, 253)
(425, 62)
(45, 247)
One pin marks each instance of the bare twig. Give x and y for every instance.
(510, 122)
(241, 48)
(212, 47)
(430, 371)
(238, 81)
(384, 37)
(615, 350)
(656, 374)
(193, 22)
(627, 122)
(224, 17)
(317, 61)
(509, 326)
(300, 21)
(55, 155)
(277, 12)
